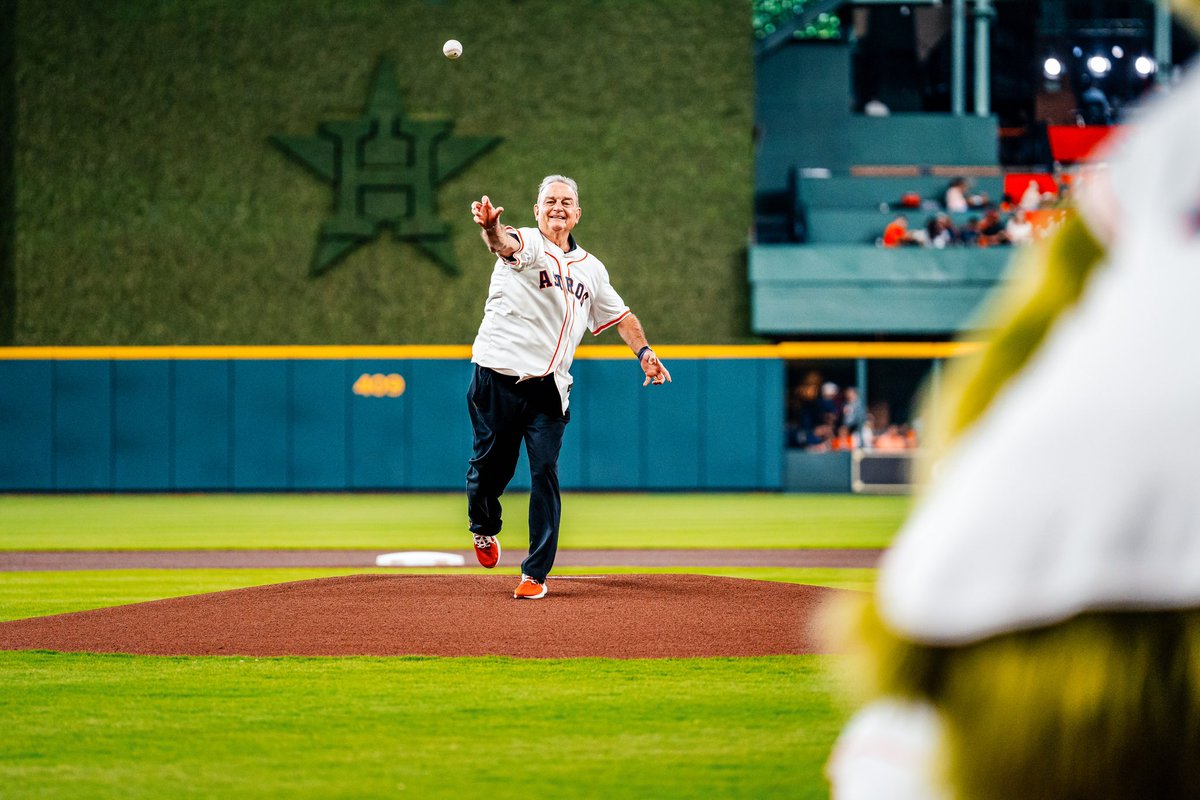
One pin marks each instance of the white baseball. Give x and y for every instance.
(452, 48)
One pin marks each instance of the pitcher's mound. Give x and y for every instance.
(611, 616)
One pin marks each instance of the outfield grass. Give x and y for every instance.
(422, 521)
(82, 725)
(126, 727)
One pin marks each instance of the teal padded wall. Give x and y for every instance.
(718, 425)
(27, 425)
(202, 425)
(732, 410)
(671, 458)
(141, 439)
(378, 431)
(740, 437)
(261, 419)
(439, 436)
(823, 473)
(298, 425)
(83, 425)
(320, 425)
(607, 421)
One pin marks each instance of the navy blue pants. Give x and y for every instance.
(503, 414)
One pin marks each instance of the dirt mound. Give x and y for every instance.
(613, 616)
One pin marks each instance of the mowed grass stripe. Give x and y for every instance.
(438, 521)
(35, 594)
(150, 727)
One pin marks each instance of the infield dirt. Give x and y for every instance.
(611, 616)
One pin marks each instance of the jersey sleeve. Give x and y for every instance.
(607, 306)
(529, 248)
(890, 750)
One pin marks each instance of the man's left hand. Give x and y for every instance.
(656, 373)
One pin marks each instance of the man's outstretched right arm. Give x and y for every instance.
(497, 239)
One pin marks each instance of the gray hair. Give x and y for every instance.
(549, 179)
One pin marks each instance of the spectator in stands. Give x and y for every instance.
(897, 233)
(910, 435)
(948, 221)
(959, 198)
(956, 196)
(1031, 198)
(854, 412)
(842, 440)
(991, 229)
(968, 234)
(1094, 108)
(865, 438)
(821, 439)
(1063, 198)
(797, 421)
(1019, 229)
(940, 231)
(831, 404)
(807, 426)
(892, 440)
(879, 419)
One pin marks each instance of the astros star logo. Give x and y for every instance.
(385, 169)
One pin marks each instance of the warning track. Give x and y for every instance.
(31, 561)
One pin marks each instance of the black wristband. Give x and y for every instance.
(642, 352)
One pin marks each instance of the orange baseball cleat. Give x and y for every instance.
(487, 550)
(529, 589)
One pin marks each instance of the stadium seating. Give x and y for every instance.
(850, 290)
(827, 183)
(852, 191)
(802, 110)
(862, 225)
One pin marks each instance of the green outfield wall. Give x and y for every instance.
(155, 204)
(8, 114)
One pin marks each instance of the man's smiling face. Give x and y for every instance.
(557, 210)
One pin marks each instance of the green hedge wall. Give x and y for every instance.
(151, 207)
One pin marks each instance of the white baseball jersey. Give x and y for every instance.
(539, 303)
(890, 750)
(1070, 494)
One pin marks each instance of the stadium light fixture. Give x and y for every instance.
(1118, 51)
(1145, 66)
(1052, 67)
(1099, 65)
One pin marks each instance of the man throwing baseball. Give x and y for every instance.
(545, 290)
